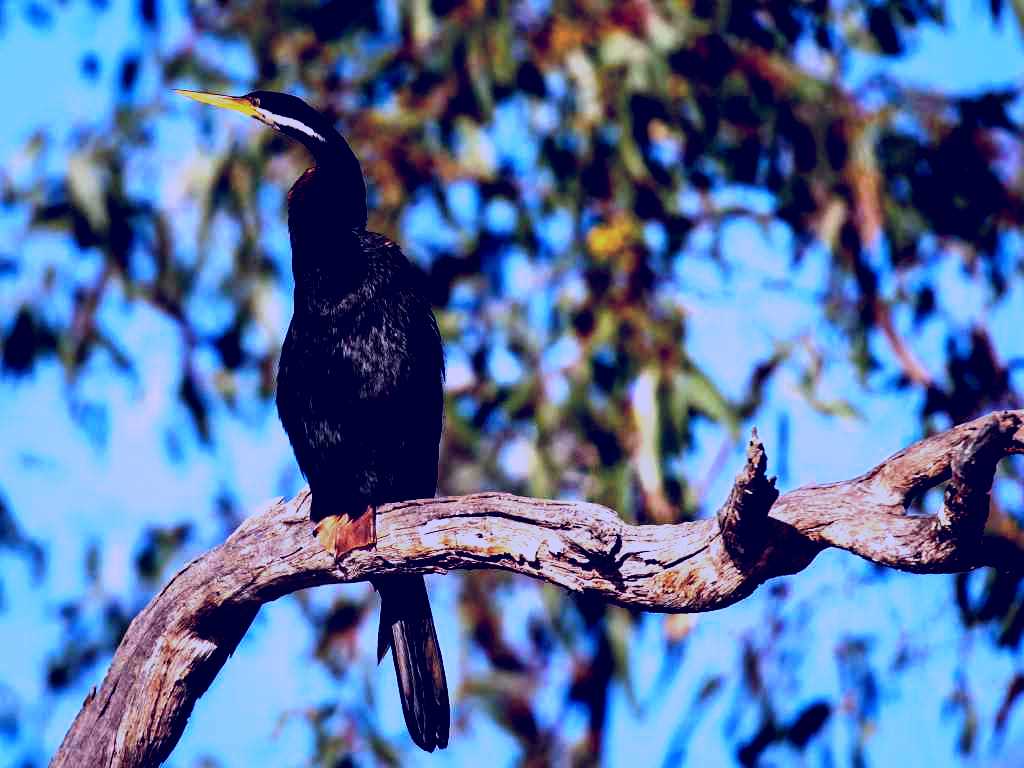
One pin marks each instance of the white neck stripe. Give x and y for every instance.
(291, 122)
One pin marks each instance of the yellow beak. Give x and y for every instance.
(234, 103)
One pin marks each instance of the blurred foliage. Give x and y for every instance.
(640, 131)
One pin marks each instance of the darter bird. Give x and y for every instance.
(359, 384)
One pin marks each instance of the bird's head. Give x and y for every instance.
(291, 116)
(283, 112)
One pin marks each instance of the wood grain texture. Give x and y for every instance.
(177, 644)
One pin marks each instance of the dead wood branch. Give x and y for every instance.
(178, 643)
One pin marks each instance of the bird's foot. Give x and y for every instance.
(340, 534)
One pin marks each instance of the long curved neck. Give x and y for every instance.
(326, 212)
(339, 177)
(326, 216)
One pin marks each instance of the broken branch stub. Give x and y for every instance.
(743, 518)
(968, 492)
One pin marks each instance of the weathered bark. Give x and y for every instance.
(178, 643)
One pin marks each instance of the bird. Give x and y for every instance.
(359, 385)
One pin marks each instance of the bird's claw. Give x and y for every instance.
(340, 534)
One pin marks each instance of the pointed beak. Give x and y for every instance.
(234, 103)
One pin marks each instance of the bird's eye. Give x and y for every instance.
(255, 101)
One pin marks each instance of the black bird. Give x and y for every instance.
(359, 385)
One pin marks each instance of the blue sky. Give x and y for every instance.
(67, 492)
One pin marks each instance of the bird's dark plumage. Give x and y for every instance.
(359, 393)
(359, 388)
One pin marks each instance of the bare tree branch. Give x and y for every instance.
(178, 643)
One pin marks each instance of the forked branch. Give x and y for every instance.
(178, 643)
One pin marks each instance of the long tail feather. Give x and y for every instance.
(407, 627)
